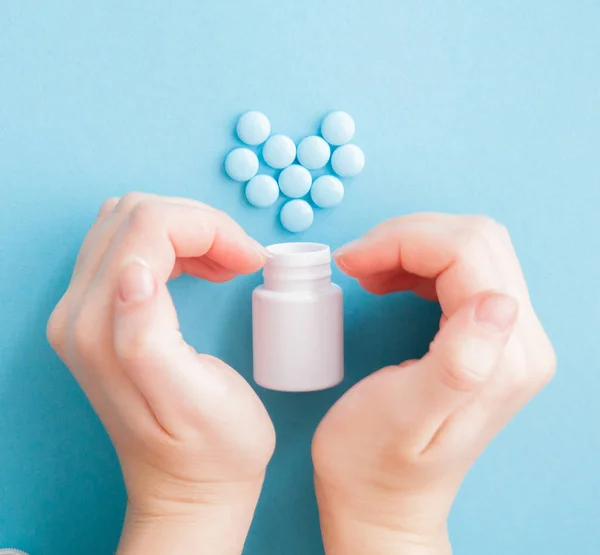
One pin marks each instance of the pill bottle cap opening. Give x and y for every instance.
(297, 255)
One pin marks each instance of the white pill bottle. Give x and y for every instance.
(297, 320)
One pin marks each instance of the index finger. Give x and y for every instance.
(160, 233)
(463, 254)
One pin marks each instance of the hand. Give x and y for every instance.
(390, 455)
(192, 437)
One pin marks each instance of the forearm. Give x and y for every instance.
(210, 530)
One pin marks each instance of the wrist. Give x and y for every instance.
(351, 537)
(379, 525)
(217, 527)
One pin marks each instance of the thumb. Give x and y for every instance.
(178, 384)
(462, 357)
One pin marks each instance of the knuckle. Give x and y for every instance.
(503, 233)
(472, 242)
(137, 349)
(455, 375)
(490, 228)
(143, 215)
(546, 366)
(483, 223)
(533, 376)
(107, 207)
(519, 379)
(224, 219)
(55, 328)
(82, 337)
(481, 233)
(130, 200)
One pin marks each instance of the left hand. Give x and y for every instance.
(391, 453)
(192, 437)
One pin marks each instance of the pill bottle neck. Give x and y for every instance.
(310, 279)
(298, 267)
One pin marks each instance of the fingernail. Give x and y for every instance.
(341, 255)
(260, 250)
(347, 248)
(137, 282)
(496, 312)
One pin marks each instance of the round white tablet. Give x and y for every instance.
(262, 191)
(253, 128)
(313, 152)
(279, 151)
(348, 160)
(241, 164)
(338, 128)
(295, 181)
(296, 215)
(327, 191)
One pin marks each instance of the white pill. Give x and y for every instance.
(297, 215)
(253, 128)
(348, 160)
(327, 191)
(279, 151)
(313, 152)
(241, 164)
(338, 128)
(262, 191)
(295, 181)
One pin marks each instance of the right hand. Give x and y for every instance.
(391, 453)
(192, 437)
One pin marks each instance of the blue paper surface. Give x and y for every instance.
(474, 107)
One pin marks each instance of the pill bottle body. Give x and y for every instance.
(297, 321)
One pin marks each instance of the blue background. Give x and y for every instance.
(460, 106)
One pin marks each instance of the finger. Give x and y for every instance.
(394, 281)
(473, 426)
(352, 255)
(422, 248)
(426, 289)
(96, 229)
(389, 282)
(461, 360)
(105, 232)
(463, 261)
(352, 259)
(204, 268)
(161, 233)
(179, 385)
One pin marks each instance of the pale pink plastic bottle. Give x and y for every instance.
(297, 320)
